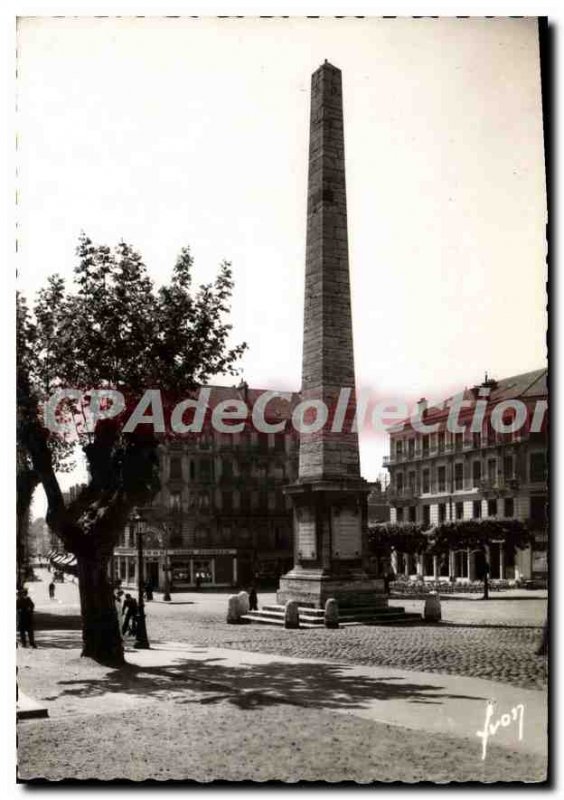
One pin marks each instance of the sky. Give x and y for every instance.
(173, 132)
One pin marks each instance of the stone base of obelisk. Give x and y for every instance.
(330, 525)
(313, 587)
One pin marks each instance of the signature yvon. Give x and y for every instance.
(490, 728)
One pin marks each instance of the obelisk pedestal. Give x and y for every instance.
(330, 497)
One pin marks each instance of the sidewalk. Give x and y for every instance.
(428, 702)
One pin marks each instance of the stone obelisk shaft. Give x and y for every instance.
(328, 358)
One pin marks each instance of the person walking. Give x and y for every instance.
(52, 590)
(24, 608)
(149, 589)
(130, 614)
(253, 599)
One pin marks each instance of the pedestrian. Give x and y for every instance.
(130, 614)
(149, 589)
(198, 581)
(253, 599)
(52, 590)
(25, 607)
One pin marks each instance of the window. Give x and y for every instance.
(441, 478)
(426, 444)
(509, 507)
(227, 468)
(508, 466)
(227, 502)
(245, 502)
(538, 510)
(459, 510)
(442, 512)
(492, 468)
(175, 501)
(426, 515)
(412, 513)
(476, 473)
(263, 442)
(399, 482)
(537, 467)
(279, 443)
(426, 481)
(441, 442)
(204, 501)
(205, 470)
(477, 509)
(476, 440)
(411, 481)
(398, 449)
(399, 514)
(411, 448)
(458, 476)
(201, 535)
(458, 441)
(192, 470)
(492, 508)
(175, 468)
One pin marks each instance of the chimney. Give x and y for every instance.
(422, 405)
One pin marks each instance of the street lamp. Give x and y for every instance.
(141, 640)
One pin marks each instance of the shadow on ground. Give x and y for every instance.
(314, 685)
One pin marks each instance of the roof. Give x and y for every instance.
(528, 386)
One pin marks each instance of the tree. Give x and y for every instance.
(479, 535)
(115, 331)
(400, 537)
(28, 332)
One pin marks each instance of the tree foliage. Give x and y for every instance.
(112, 330)
(401, 537)
(478, 534)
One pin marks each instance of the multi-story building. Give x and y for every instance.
(221, 517)
(475, 473)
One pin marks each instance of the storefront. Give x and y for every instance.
(187, 568)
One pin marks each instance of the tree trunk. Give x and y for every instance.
(101, 635)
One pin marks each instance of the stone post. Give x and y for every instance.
(233, 610)
(331, 613)
(291, 614)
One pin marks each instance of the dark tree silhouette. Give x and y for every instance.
(114, 331)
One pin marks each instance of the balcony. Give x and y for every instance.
(404, 493)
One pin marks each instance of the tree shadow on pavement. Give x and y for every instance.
(317, 685)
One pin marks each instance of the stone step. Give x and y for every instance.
(314, 617)
(258, 616)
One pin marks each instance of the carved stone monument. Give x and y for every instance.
(329, 497)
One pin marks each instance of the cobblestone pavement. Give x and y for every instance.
(501, 654)
(495, 640)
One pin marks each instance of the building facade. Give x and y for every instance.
(475, 473)
(221, 517)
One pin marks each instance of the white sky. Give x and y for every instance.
(166, 132)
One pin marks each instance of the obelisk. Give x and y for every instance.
(329, 497)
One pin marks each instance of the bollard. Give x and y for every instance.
(233, 609)
(291, 615)
(432, 611)
(331, 613)
(244, 605)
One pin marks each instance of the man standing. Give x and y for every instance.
(25, 607)
(52, 590)
(130, 613)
